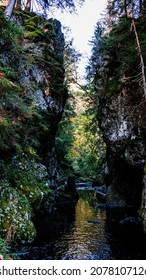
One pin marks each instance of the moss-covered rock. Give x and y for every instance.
(32, 100)
(15, 216)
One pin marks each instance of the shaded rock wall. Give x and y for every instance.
(123, 133)
(32, 101)
(122, 119)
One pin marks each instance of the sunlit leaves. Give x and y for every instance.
(79, 141)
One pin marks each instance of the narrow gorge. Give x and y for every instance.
(59, 137)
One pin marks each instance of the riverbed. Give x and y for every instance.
(86, 231)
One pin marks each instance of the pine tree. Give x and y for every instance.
(125, 9)
(44, 5)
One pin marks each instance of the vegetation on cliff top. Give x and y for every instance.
(118, 53)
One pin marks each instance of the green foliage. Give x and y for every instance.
(111, 86)
(11, 36)
(31, 72)
(26, 175)
(9, 73)
(15, 216)
(65, 4)
(85, 151)
(71, 59)
(22, 123)
(125, 9)
(121, 45)
(65, 137)
(4, 250)
(115, 60)
(34, 34)
(79, 143)
(16, 108)
(36, 28)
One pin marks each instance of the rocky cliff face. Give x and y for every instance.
(32, 101)
(122, 117)
(123, 134)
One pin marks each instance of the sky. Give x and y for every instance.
(82, 26)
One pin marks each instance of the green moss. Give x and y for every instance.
(25, 128)
(21, 194)
(27, 233)
(35, 35)
(30, 28)
(15, 216)
(27, 176)
(36, 28)
(29, 22)
(12, 34)
(37, 19)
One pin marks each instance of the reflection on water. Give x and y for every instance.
(86, 236)
(84, 232)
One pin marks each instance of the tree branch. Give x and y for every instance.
(141, 57)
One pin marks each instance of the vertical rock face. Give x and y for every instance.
(123, 134)
(122, 121)
(32, 101)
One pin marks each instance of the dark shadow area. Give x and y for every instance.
(50, 230)
(125, 235)
(86, 232)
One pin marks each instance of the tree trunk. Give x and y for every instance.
(9, 9)
(144, 9)
(141, 59)
(140, 7)
(18, 3)
(28, 5)
(125, 8)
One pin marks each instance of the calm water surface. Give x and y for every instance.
(86, 232)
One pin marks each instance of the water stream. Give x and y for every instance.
(86, 232)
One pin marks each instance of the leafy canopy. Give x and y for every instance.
(40, 6)
(65, 4)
